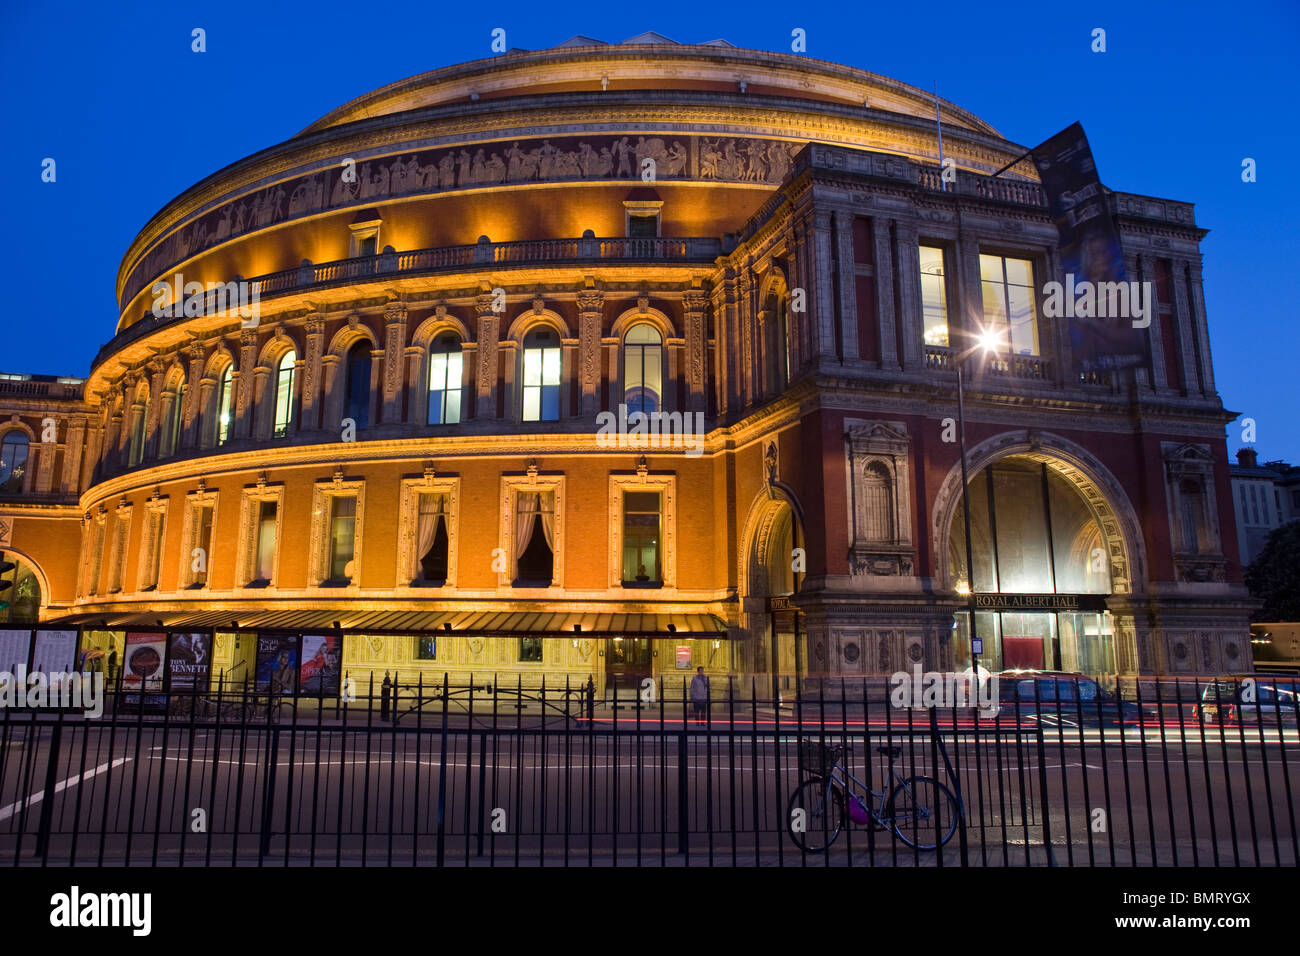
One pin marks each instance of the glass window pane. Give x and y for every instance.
(991, 268)
(532, 404)
(452, 417)
(550, 403)
(995, 309)
(551, 367)
(1020, 272)
(532, 367)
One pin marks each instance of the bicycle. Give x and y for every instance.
(915, 809)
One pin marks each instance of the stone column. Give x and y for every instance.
(94, 442)
(74, 446)
(844, 264)
(151, 447)
(747, 316)
(312, 376)
(1186, 335)
(1139, 268)
(591, 310)
(488, 345)
(45, 461)
(728, 361)
(193, 398)
(417, 410)
(1196, 291)
(693, 303)
(394, 341)
(822, 295)
(907, 255)
(243, 426)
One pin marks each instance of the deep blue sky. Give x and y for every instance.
(1184, 92)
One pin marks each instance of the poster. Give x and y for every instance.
(1108, 315)
(143, 662)
(322, 660)
(683, 657)
(189, 661)
(54, 652)
(277, 663)
(14, 646)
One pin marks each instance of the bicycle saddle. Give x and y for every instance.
(891, 752)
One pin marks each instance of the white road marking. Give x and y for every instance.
(38, 796)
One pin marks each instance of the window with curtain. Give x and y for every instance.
(342, 540)
(224, 394)
(284, 372)
(934, 297)
(878, 503)
(445, 369)
(643, 369)
(534, 538)
(203, 541)
(541, 376)
(266, 518)
(13, 461)
(357, 382)
(642, 561)
(431, 541)
(1009, 310)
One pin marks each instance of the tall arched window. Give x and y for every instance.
(878, 503)
(284, 393)
(643, 369)
(445, 371)
(541, 376)
(13, 461)
(357, 369)
(225, 390)
(171, 432)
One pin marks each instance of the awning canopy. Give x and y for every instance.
(465, 623)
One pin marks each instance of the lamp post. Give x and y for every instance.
(986, 343)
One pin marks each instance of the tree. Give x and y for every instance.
(1274, 576)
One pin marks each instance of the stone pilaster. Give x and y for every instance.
(882, 259)
(488, 345)
(312, 375)
(844, 265)
(394, 340)
(591, 303)
(193, 398)
(907, 255)
(243, 427)
(693, 303)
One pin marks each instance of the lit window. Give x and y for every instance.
(284, 393)
(642, 369)
(13, 462)
(202, 543)
(431, 545)
(343, 521)
(426, 648)
(530, 650)
(1009, 311)
(224, 390)
(541, 376)
(534, 538)
(444, 381)
(934, 296)
(266, 518)
(641, 538)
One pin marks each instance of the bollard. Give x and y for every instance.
(385, 690)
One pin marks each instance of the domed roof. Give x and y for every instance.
(649, 61)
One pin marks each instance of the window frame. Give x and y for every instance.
(318, 580)
(281, 429)
(511, 486)
(25, 442)
(945, 292)
(665, 483)
(541, 388)
(1005, 285)
(641, 348)
(446, 336)
(408, 526)
(152, 544)
(190, 532)
(250, 508)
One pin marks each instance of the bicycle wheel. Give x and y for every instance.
(815, 815)
(918, 809)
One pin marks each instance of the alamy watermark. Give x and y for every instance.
(58, 690)
(651, 430)
(944, 689)
(1100, 300)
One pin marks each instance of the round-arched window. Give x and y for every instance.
(643, 369)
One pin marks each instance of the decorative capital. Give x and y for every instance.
(694, 301)
(591, 300)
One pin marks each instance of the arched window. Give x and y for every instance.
(225, 389)
(284, 393)
(13, 461)
(357, 369)
(643, 369)
(878, 503)
(171, 435)
(541, 376)
(445, 370)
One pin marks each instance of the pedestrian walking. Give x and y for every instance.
(699, 694)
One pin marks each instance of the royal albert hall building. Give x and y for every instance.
(457, 274)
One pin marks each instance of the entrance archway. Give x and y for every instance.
(768, 579)
(1053, 536)
(20, 602)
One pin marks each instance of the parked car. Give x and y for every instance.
(1251, 699)
(1059, 698)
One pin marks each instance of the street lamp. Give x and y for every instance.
(988, 341)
